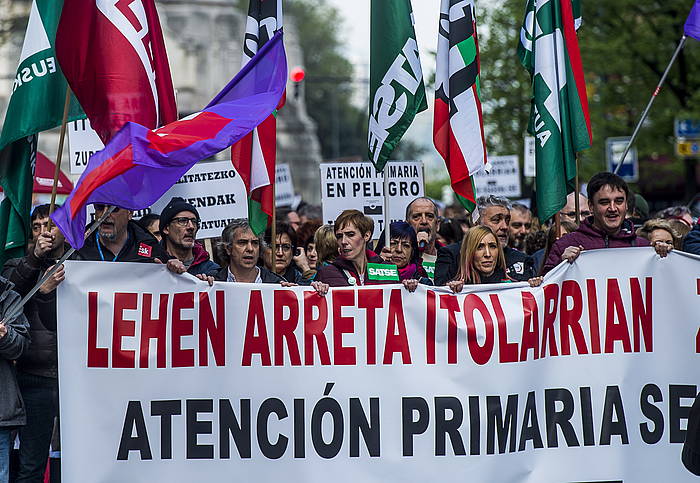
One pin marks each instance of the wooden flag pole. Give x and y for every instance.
(577, 192)
(273, 228)
(59, 155)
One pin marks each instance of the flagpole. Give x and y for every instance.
(59, 156)
(577, 192)
(387, 220)
(16, 309)
(273, 228)
(681, 44)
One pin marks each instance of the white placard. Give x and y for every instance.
(587, 378)
(83, 142)
(284, 186)
(529, 165)
(503, 180)
(216, 190)
(358, 185)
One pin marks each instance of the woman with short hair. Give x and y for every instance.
(403, 252)
(357, 265)
(658, 231)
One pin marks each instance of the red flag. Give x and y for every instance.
(113, 56)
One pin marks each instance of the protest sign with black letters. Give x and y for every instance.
(164, 378)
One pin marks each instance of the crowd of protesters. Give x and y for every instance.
(431, 246)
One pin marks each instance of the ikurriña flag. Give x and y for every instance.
(139, 165)
(255, 155)
(559, 119)
(458, 129)
(113, 55)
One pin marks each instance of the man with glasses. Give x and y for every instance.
(568, 213)
(179, 224)
(119, 239)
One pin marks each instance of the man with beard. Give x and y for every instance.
(607, 227)
(494, 212)
(120, 239)
(519, 226)
(179, 224)
(422, 215)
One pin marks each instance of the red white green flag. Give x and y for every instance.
(458, 130)
(254, 156)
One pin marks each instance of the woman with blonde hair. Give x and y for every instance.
(481, 260)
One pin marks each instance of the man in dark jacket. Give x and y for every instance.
(37, 369)
(179, 224)
(605, 228)
(119, 239)
(240, 248)
(494, 212)
(691, 244)
(14, 340)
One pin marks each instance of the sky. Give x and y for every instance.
(356, 34)
(426, 13)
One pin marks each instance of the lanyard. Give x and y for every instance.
(99, 247)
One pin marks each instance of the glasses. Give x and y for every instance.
(572, 214)
(285, 247)
(101, 207)
(183, 221)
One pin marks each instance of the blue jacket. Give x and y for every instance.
(691, 244)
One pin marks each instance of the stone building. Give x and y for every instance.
(203, 39)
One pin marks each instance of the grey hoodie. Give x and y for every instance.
(12, 344)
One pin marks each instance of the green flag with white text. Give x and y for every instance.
(397, 91)
(36, 104)
(559, 119)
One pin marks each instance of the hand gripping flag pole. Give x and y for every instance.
(15, 310)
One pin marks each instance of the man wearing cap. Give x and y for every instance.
(179, 224)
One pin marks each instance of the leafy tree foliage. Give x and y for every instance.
(625, 46)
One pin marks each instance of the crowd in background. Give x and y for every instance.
(433, 245)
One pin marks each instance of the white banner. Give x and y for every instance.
(587, 378)
(284, 185)
(83, 142)
(358, 185)
(502, 180)
(216, 190)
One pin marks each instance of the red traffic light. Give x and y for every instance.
(297, 74)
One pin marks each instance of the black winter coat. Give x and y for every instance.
(41, 357)
(519, 267)
(12, 345)
(140, 247)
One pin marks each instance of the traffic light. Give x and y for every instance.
(297, 75)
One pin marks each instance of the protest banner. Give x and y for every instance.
(358, 185)
(83, 142)
(216, 190)
(164, 378)
(284, 185)
(502, 180)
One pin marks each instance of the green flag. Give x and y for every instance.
(559, 119)
(38, 97)
(397, 92)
